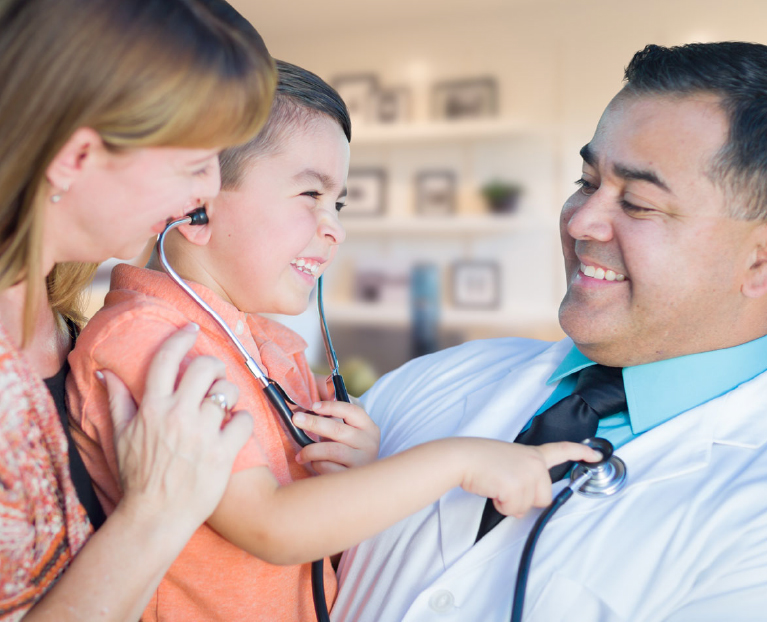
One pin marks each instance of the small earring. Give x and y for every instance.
(57, 197)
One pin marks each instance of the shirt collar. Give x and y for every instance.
(157, 284)
(661, 390)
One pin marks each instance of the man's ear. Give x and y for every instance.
(755, 283)
(197, 234)
(69, 162)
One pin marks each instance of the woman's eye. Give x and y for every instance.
(202, 172)
(340, 205)
(313, 194)
(587, 188)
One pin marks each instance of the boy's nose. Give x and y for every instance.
(331, 229)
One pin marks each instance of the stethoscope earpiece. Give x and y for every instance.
(606, 477)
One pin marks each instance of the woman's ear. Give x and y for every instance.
(197, 234)
(69, 162)
(755, 284)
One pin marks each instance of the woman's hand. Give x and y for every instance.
(348, 437)
(174, 456)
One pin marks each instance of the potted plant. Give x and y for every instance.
(501, 197)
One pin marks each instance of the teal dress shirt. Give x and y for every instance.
(659, 391)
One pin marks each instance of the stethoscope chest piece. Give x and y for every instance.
(606, 477)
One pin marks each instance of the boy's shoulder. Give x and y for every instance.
(138, 298)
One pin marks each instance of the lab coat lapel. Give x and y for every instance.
(499, 411)
(677, 447)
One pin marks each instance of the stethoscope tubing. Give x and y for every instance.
(526, 560)
(273, 394)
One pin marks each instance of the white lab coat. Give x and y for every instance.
(685, 540)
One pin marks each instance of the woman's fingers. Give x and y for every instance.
(163, 370)
(198, 379)
(122, 407)
(235, 434)
(222, 388)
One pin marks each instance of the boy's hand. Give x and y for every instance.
(515, 476)
(348, 437)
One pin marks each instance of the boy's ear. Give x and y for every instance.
(755, 284)
(71, 159)
(197, 234)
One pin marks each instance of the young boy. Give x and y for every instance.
(273, 229)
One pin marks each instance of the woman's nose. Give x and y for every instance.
(209, 184)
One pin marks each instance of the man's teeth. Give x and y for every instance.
(306, 266)
(601, 273)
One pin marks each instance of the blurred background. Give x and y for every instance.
(468, 116)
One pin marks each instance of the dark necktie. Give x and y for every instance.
(598, 393)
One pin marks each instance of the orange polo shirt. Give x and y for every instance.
(211, 579)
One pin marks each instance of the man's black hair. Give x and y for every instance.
(301, 96)
(736, 72)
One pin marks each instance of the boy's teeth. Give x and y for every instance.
(306, 266)
(601, 273)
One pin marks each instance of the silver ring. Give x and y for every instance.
(219, 400)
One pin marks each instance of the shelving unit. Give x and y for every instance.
(444, 131)
(524, 244)
(486, 225)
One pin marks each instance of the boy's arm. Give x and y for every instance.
(316, 517)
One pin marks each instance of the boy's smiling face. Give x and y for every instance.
(273, 236)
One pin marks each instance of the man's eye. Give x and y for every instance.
(587, 188)
(630, 207)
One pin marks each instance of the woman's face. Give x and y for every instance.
(117, 201)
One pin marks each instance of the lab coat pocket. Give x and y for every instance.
(564, 599)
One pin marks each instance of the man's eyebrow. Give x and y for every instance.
(325, 180)
(624, 172)
(644, 175)
(588, 155)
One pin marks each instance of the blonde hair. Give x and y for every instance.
(141, 73)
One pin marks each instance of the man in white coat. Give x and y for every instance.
(665, 248)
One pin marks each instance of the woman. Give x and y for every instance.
(111, 118)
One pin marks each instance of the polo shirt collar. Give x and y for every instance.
(661, 390)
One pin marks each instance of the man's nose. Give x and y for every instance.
(591, 218)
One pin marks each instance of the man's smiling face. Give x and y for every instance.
(654, 264)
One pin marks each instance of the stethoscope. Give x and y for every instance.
(601, 479)
(278, 397)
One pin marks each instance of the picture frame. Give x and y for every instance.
(435, 193)
(476, 284)
(359, 93)
(392, 105)
(365, 192)
(471, 98)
